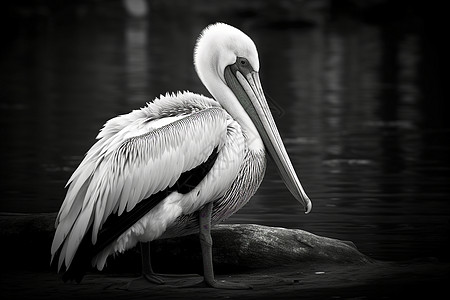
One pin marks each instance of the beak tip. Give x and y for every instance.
(308, 206)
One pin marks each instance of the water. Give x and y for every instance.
(349, 97)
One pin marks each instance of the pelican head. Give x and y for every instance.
(226, 60)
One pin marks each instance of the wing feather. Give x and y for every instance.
(76, 235)
(120, 170)
(66, 224)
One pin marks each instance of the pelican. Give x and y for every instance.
(177, 166)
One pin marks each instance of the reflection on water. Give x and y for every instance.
(349, 107)
(136, 64)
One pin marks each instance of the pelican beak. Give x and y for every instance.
(245, 84)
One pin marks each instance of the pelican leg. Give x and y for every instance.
(148, 275)
(147, 270)
(206, 246)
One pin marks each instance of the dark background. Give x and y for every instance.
(358, 89)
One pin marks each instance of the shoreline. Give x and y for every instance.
(375, 281)
(293, 264)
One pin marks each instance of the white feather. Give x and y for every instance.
(136, 156)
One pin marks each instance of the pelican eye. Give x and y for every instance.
(243, 61)
(242, 65)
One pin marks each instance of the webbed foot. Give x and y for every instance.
(219, 284)
(143, 282)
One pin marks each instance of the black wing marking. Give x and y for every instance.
(117, 225)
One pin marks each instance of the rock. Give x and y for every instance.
(241, 247)
(26, 240)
